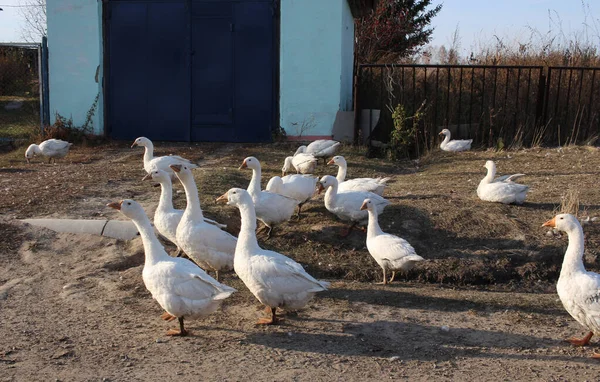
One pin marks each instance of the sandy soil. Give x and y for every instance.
(74, 308)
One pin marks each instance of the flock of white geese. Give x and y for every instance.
(184, 289)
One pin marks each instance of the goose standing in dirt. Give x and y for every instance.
(455, 145)
(274, 279)
(501, 189)
(51, 148)
(296, 186)
(271, 208)
(389, 251)
(152, 163)
(374, 185)
(209, 246)
(167, 218)
(321, 148)
(181, 288)
(302, 163)
(578, 289)
(346, 205)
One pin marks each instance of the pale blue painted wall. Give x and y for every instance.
(315, 82)
(74, 46)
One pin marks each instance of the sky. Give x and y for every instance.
(477, 20)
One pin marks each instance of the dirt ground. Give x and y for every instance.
(482, 307)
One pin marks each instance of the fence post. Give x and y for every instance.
(45, 95)
(541, 98)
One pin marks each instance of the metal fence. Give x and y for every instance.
(493, 105)
(21, 85)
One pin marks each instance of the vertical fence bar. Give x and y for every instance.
(567, 108)
(414, 89)
(528, 94)
(546, 96)
(41, 87)
(471, 98)
(517, 101)
(460, 80)
(591, 99)
(437, 86)
(506, 94)
(357, 106)
(481, 124)
(448, 99)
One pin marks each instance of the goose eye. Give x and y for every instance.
(234, 192)
(128, 203)
(561, 218)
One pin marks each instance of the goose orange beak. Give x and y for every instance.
(222, 198)
(244, 165)
(550, 223)
(175, 167)
(440, 133)
(147, 177)
(115, 205)
(364, 206)
(320, 188)
(331, 162)
(134, 144)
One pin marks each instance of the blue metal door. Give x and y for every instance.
(148, 76)
(200, 70)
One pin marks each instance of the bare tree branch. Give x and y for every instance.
(34, 14)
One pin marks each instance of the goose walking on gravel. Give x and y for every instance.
(455, 145)
(167, 218)
(321, 148)
(389, 251)
(296, 186)
(209, 246)
(578, 289)
(182, 289)
(274, 279)
(152, 163)
(51, 148)
(346, 205)
(375, 185)
(501, 189)
(271, 208)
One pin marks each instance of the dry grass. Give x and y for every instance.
(434, 205)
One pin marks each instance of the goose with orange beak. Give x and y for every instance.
(152, 163)
(578, 289)
(182, 289)
(391, 252)
(374, 185)
(271, 208)
(274, 279)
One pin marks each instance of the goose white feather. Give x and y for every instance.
(274, 279)
(178, 285)
(209, 246)
(152, 163)
(346, 205)
(578, 289)
(51, 148)
(271, 208)
(302, 163)
(375, 185)
(455, 145)
(389, 251)
(299, 187)
(502, 189)
(166, 217)
(321, 148)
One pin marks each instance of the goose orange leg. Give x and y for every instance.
(181, 332)
(167, 316)
(269, 320)
(581, 341)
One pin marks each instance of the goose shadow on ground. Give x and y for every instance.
(410, 341)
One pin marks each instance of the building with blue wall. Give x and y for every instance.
(201, 70)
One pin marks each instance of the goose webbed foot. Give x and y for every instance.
(272, 320)
(581, 341)
(167, 316)
(181, 332)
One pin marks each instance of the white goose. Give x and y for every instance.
(455, 145)
(167, 218)
(51, 148)
(389, 251)
(209, 246)
(181, 288)
(502, 189)
(271, 208)
(299, 187)
(274, 279)
(321, 148)
(159, 163)
(578, 289)
(346, 205)
(302, 163)
(375, 185)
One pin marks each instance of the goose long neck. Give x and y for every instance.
(153, 250)
(341, 174)
(331, 195)
(446, 139)
(166, 194)
(373, 228)
(491, 173)
(193, 210)
(573, 261)
(247, 236)
(148, 152)
(36, 149)
(254, 186)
